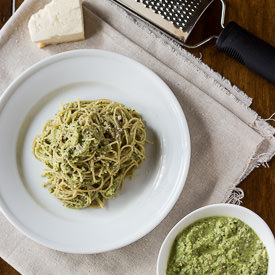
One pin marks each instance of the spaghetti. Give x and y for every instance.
(89, 149)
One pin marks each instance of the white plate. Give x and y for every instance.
(229, 210)
(35, 97)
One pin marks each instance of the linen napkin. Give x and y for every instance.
(228, 139)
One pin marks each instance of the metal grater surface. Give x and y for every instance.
(182, 13)
(174, 17)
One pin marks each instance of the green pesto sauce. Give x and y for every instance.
(217, 245)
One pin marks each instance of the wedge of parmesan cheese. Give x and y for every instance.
(59, 21)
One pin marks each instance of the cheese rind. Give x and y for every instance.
(59, 21)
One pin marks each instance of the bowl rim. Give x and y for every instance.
(220, 209)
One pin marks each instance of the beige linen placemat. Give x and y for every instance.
(228, 139)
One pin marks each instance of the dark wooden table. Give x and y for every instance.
(257, 16)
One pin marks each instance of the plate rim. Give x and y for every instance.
(182, 176)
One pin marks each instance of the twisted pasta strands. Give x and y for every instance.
(89, 148)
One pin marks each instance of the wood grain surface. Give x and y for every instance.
(257, 16)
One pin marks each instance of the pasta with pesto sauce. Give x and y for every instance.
(89, 148)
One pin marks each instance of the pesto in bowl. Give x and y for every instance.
(213, 239)
(217, 245)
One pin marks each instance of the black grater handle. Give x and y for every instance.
(254, 53)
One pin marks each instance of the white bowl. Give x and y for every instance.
(242, 213)
(35, 96)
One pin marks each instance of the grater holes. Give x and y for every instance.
(181, 13)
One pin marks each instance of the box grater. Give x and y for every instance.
(177, 18)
